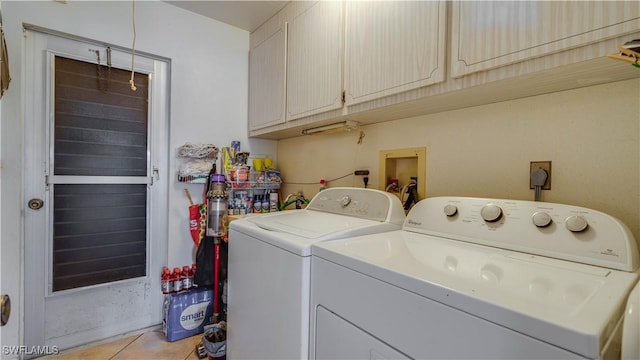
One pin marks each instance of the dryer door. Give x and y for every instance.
(331, 332)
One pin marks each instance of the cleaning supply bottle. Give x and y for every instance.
(257, 204)
(230, 209)
(249, 203)
(241, 170)
(165, 281)
(273, 201)
(265, 203)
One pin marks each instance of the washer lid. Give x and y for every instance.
(313, 225)
(334, 213)
(296, 230)
(573, 306)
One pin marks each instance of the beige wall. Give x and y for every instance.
(591, 135)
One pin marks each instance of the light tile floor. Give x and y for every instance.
(149, 345)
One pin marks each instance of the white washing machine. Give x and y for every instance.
(269, 267)
(470, 278)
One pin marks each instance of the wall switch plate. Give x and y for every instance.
(545, 165)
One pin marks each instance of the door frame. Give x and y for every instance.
(37, 120)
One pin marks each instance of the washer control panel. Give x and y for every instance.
(546, 229)
(358, 202)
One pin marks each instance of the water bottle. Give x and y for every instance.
(176, 280)
(165, 281)
(193, 272)
(187, 278)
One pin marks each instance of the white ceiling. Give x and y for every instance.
(247, 15)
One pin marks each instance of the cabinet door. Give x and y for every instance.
(489, 34)
(315, 59)
(393, 46)
(267, 75)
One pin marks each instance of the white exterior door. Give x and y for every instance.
(10, 287)
(64, 316)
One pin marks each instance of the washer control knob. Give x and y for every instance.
(345, 200)
(541, 219)
(450, 210)
(491, 213)
(576, 223)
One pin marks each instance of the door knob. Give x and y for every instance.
(5, 309)
(35, 204)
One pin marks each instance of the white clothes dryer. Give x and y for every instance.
(269, 267)
(631, 329)
(471, 278)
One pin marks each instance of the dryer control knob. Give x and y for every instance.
(450, 210)
(491, 213)
(576, 223)
(541, 219)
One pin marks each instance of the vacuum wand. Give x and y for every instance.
(216, 214)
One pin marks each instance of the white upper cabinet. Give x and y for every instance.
(370, 61)
(315, 58)
(267, 64)
(392, 47)
(490, 34)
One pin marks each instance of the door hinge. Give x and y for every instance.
(344, 96)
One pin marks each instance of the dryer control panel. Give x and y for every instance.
(368, 204)
(553, 230)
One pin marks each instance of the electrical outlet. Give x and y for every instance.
(365, 176)
(546, 166)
